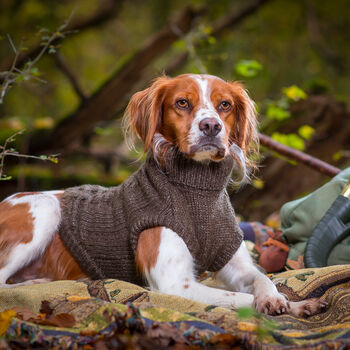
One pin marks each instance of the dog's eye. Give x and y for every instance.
(225, 106)
(182, 103)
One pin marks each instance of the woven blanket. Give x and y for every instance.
(111, 313)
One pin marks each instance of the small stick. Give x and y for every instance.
(299, 156)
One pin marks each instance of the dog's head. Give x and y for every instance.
(205, 117)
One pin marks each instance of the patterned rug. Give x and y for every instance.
(115, 314)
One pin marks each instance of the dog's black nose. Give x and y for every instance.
(210, 126)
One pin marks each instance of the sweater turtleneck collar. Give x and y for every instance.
(182, 171)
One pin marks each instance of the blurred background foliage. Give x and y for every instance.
(283, 51)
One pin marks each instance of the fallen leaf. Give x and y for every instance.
(296, 264)
(60, 320)
(45, 308)
(74, 298)
(5, 320)
(223, 339)
(165, 334)
(247, 327)
(24, 314)
(88, 332)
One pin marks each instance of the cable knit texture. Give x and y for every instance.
(100, 226)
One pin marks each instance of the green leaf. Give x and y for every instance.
(208, 30)
(248, 68)
(275, 112)
(53, 159)
(52, 50)
(290, 140)
(35, 71)
(246, 312)
(294, 93)
(180, 45)
(20, 78)
(211, 40)
(5, 178)
(43, 157)
(306, 132)
(338, 155)
(103, 131)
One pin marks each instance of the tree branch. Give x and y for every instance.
(229, 21)
(113, 94)
(224, 23)
(299, 156)
(107, 10)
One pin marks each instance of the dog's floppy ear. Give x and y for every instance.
(143, 114)
(245, 132)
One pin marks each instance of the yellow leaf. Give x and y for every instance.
(44, 123)
(258, 184)
(294, 93)
(247, 327)
(274, 220)
(5, 320)
(76, 298)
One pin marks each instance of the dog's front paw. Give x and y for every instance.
(306, 308)
(271, 304)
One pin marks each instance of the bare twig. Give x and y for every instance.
(107, 10)
(8, 80)
(10, 152)
(229, 21)
(189, 41)
(15, 73)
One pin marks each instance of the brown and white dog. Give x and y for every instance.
(185, 111)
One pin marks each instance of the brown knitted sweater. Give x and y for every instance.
(100, 226)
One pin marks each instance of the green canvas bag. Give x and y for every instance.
(300, 217)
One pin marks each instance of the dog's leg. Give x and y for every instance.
(173, 272)
(38, 212)
(240, 274)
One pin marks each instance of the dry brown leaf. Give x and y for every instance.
(60, 320)
(45, 308)
(296, 264)
(24, 313)
(165, 334)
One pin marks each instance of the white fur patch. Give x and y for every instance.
(45, 209)
(206, 110)
(174, 274)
